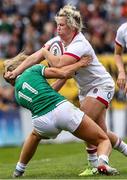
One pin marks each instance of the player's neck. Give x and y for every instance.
(68, 38)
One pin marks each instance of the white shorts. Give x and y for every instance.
(64, 117)
(103, 93)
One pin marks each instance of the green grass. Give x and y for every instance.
(57, 161)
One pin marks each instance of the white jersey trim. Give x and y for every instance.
(73, 55)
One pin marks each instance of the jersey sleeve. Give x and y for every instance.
(48, 43)
(43, 70)
(39, 68)
(120, 37)
(77, 49)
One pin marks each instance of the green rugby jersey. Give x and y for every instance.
(33, 92)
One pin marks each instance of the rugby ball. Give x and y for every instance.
(56, 48)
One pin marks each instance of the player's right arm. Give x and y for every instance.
(67, 71)
(118, 52)
(31, 60)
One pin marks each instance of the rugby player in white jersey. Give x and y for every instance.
(96, 86)
(52, 112)
(120, 45)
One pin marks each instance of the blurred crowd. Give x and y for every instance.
(7, 100)
(28, 24)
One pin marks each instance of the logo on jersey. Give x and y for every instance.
(109, 95)
(56, 48)
(95, 90)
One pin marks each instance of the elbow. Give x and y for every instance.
(58, 65)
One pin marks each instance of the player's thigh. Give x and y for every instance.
(89, 131)
(45, 125)
(96, 100)
(96, 110)
(92, 107)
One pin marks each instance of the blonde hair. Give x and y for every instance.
(13, 63)
(72, 15)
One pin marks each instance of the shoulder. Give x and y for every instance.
(36, 68)
(79, 37)
(79, 46)
(122, 27)
(57, 38)
(79, 40)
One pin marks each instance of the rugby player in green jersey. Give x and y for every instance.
(52, 112)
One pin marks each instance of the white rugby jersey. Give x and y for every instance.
(121, 36)
(87, 77)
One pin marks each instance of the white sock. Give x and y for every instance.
(92, 156)
(121, 146)
(103, 159)
(20, 167)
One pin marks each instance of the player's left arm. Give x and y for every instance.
(67, 71)
(121, 80)
(118, 57)
(31, 60)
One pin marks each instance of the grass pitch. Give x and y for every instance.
(57, 161)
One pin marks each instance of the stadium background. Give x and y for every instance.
(27, 25)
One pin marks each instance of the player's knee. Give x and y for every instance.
(36, 135)
(103, 126)
(103, 137)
